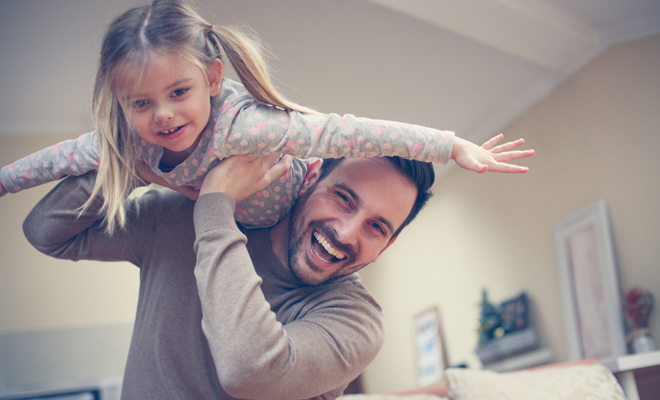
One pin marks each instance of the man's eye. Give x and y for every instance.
(343, 198)
(139, 103)
(179, 92)
(379, 228)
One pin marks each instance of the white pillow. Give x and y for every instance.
(390, 397)
(579, 382)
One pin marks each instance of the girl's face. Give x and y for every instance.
(168, 102)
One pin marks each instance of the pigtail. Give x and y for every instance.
(246, 57)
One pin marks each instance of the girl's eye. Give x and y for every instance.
(139, 103)
(179, 92)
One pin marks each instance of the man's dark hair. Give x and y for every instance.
(420, 173)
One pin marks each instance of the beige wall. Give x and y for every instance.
(41, 293)
(597, 136)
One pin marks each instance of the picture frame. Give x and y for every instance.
(589, 285)
(515, 313)
(430, 352)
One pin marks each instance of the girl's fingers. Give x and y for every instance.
(513, 155)
(492, 142)
(508, 168)
(508, 146)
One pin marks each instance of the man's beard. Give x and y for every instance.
(296, 244)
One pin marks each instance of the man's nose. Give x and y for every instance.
(348, 230)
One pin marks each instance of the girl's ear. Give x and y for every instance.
(313, 172)
(215, 77)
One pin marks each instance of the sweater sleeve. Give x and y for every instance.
(70, 157)
(262, 129)
(242, 125)
(56, 227)
(315, 355)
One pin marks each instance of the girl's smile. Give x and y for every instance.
(168, 101)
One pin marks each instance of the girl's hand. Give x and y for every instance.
(242, 176)
(489, 157)
(3, 191)
(150, 176)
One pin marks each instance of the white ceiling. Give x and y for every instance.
(466, 65)
(553, 34)
(558, 36)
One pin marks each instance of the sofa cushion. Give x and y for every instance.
(579, 382)
(391, 397)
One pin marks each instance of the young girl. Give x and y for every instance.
(160, 98)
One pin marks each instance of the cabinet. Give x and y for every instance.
(638, 374)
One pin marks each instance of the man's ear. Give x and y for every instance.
(386, 246)
(313, 173)
(215, 77)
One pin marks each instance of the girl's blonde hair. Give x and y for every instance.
(164, 26)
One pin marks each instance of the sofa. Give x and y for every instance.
(569, 381)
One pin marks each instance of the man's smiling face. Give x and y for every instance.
(343, 222)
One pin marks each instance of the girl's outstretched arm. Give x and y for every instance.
(489, 157)
(70, 157)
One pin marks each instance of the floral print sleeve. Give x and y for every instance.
(255, 128)
(242, 125)
(70, 157)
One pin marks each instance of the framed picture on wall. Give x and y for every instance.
(589, 285)
(429, 348)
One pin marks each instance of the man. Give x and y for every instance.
(279, 315)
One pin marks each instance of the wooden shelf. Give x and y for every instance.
(623, 368)
(632, 361)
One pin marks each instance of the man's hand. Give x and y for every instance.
(489, 157)
(3, 191)
(242, 176)
(150, 176)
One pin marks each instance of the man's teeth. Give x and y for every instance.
(328, 247)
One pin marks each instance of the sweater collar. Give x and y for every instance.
(265, 262)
